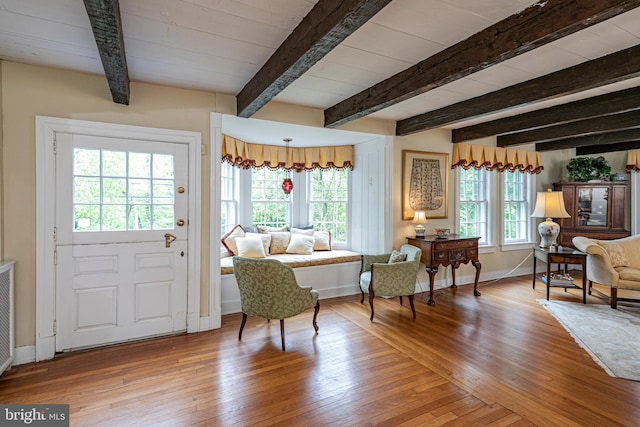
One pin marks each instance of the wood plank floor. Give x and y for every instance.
(499, 359)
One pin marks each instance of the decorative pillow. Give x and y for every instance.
(305, 231)
(300, 244)
(229, 239)
(397, 256)
(305, 227)
(322, 240)
(250, 247)
(616, 254)
(279, 242)
(266, 229)
(266, 239)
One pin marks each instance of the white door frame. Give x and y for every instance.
(46, 128)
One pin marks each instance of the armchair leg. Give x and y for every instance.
(400, 299)
(282, 332)
(614, 297)
(316, 309)
(371, 303)
(244, 320)
(362, 297)
(413, 309)
(590, 285)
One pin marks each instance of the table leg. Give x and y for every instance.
(432, 273)
(584, 283)
(534, 269)
(548, 277)
(453, 274)
(478, 266)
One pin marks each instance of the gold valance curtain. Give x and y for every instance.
(633, 160)
(248, 155)
(495, 158)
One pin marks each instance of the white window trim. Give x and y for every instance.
(488, 246)
(532, 229)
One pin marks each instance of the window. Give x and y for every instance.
(516, 210)
(328, 197)
(120, 190)
(495, 206)
(269, 205)
(228, 196)
(474, 204)
(255, 197)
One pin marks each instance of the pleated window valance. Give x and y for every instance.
(248, 155)
(633, 160)
(495, 158)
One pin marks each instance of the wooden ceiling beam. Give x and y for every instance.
(324, 27)
(535, 26)
(619, 66)
(609, 148)
(106, 24)
(591, 140)
(603, 124)
(609, 103)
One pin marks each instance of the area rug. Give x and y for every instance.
(611, 337)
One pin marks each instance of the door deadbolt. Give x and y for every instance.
(180, 190)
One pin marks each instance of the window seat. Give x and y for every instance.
(295, 261)
(332, 273)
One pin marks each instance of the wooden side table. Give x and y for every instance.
(453, 250)
(560, 256)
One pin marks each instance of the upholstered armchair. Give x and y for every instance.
(269, 289)
(613, 263)
(386, 276)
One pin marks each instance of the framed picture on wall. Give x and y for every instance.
(425, 184)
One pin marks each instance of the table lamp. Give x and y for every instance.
(420, 218)
(549, 204)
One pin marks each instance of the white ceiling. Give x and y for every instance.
(218, 45)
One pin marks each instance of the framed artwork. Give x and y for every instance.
(425, 184)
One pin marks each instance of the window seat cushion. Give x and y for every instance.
(295, 260)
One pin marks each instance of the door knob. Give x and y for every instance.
(180, 222)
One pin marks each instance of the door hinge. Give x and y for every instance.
(55, 257)
(55, 234)
(55, 327)
(55, 143)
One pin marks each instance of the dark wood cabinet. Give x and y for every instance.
(597, 210)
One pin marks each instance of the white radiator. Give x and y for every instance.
(6, 316)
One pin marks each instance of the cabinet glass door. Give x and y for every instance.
(592, 206)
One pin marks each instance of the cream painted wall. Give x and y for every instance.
(28, 91)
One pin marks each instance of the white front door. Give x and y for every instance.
(120, 238)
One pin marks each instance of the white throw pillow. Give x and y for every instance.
(279, 242)
(229, 239)
(266, 239)
(307, 232)
(322, 240)
(300, 244)
(250, 247)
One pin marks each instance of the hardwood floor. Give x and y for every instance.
(499, 359)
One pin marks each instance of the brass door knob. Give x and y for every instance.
(180, 222)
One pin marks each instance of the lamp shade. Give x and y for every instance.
(550, 204)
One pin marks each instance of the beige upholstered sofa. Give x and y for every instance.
(613, 263)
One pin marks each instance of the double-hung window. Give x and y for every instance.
(495, 206)
(269, 205)
(327, 201)
(474, 209)
(228, 196)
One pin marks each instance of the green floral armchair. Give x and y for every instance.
(268, 289)
(382, 277)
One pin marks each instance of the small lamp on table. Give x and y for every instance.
(420, 218)
(549, 204)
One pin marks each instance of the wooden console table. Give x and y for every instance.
(453, 250)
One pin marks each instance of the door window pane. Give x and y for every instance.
(115, 190)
